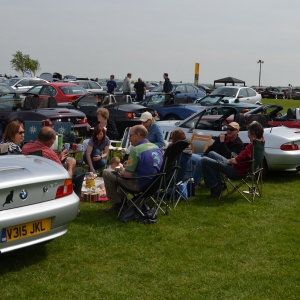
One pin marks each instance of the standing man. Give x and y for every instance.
(140, 89)
(290, 91)
(167, 87)
(127, 84)
(111, 85)
(144, 159)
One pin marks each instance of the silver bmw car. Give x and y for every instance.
(37, 201)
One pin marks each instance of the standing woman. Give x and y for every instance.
(97, 150)
(109, 125)
(14, 136)
(155, 133)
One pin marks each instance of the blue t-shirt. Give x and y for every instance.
(111, 85)
(145, 159)
(155, 135)
(100, 147)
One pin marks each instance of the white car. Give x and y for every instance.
(37, 201)
(23, 84)
(238, 94)
(282, 144)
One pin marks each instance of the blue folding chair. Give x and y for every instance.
(63, 127)
(32, 129)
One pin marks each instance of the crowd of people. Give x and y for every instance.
(145, 157)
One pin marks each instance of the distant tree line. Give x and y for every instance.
(22, 63)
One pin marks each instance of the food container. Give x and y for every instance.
(89, 180)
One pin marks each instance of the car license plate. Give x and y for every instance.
(28, 229)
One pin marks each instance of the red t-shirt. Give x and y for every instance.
(246, 154)
(36, 146)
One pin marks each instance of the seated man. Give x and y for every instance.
(227, 145)
(144, 159)
(45, 140)
(214, 163)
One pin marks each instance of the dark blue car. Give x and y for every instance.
(171, 107)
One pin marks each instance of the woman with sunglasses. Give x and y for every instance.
(14, 136)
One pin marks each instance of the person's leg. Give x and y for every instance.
(99, 163)
(110, 182)
(211, 171)
(197, 168)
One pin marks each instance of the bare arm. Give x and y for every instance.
(88, 158)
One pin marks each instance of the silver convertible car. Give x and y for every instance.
(37, 201)
(282, 144)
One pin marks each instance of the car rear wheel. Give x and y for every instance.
(172, 117)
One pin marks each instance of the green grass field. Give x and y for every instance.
(209, 249)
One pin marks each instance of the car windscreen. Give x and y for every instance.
(210, 100)
(89, 100)
(228, 92)
(73, 90)
(12, 81)
(5, 89)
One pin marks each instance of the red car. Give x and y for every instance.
(61, 91)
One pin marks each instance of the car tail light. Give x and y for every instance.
(130, 115)
(156, 114)
(65, 189)
(48, 123)
(245, 110)
(72, 99)
(83, 121)
(289, 147)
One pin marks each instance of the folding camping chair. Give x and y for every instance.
(200, 138)
(32, 129)
(156, 190)
(63, 127)
(252, 179)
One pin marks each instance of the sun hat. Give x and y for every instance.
(146, 116)
(234, 125)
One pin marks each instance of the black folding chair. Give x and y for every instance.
(252, 179)
(157, 188)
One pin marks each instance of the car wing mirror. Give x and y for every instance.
(192, 127)
(226, 101)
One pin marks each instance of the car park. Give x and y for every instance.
(282, 144)
(23, 84)
(61, 91)
(14, 106)
(271, 92)
(236, 94)
(221, 100)
(185, 91)
(3, 79)
(37, 201)
(121, 109)
(205, 88)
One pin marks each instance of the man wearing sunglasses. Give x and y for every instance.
(227, 145)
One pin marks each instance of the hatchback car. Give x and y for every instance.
(25, 83)
(37, 201)
(61, 91)
(236, 94)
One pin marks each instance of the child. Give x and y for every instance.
(115, 162)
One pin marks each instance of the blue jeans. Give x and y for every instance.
(197, 168)
(184, 164)
(211, 167)
(96, 164)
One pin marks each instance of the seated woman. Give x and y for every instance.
(155, 133)
(13, 136)
(108, 124)
(97, 150)
(179, 135)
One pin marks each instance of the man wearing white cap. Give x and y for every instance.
(227, 145)
(155, 133)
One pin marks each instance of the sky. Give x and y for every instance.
(97, 38)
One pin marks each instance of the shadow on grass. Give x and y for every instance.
(22, 258)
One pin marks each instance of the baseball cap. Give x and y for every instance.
(146, 116)
(234, 125)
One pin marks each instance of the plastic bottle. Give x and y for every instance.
(59, 143)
